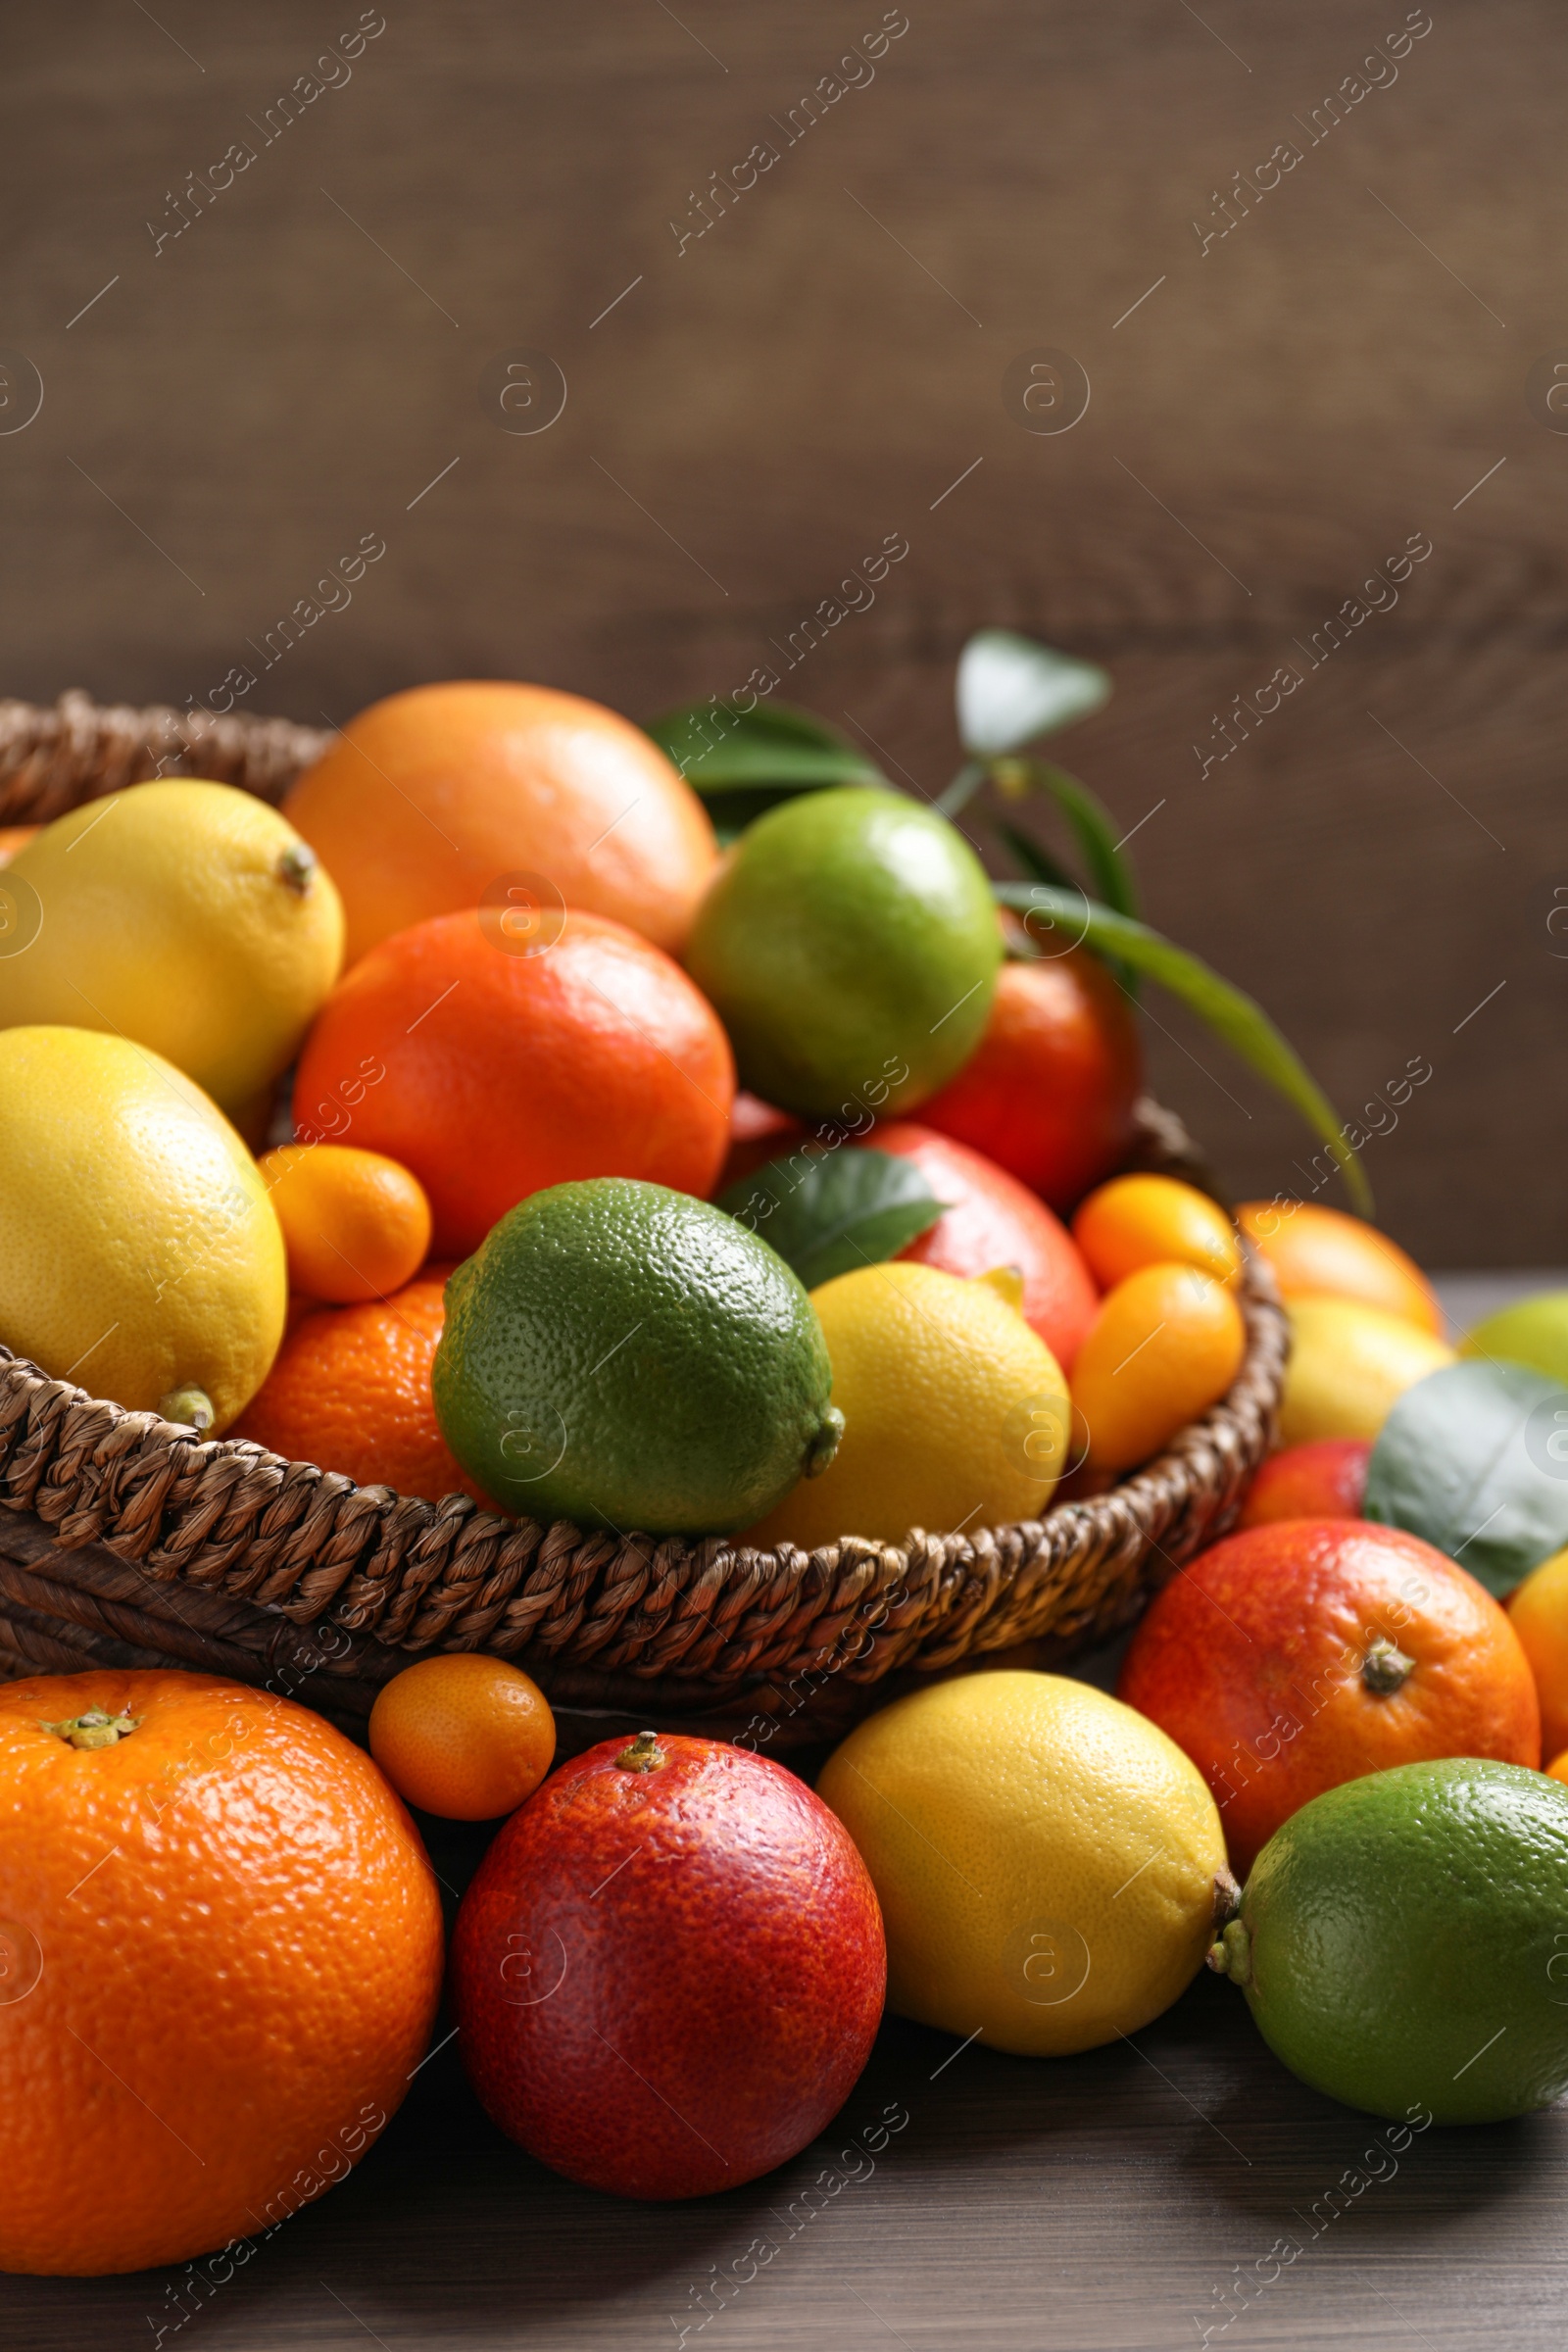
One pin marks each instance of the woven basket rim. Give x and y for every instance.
(414, 1573)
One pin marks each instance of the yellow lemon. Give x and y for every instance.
(956, 1414)
(1349, 1363)
(188, 916)
(1049, 1866)
(140, 1254)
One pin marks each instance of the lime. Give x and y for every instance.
(851, 944)
(1049, 1864)
(1403, 1941)
(628, 1356)
(1533, 1331)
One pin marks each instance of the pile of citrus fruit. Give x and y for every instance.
(478, 1123)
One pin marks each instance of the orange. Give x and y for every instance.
(1164, 1346)
(493, 1074)
(1538, 1610)
(1292, 1657)
(433, 799)
(1323, 1252)
(354, 1225)
(351, 1392)
(1138, 1221)
(219, 1959)
(466, 1737)
(1558, 1767)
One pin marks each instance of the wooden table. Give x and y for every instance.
(1133, 2197)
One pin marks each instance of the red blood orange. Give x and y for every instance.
(1049, 1092)
(993, 1221)
(493, 1074)
(669, 1969)
(1292, 1657)
(1324, 1478)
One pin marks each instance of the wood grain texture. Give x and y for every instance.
(759, 407)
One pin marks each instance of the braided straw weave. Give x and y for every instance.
(126, 1541)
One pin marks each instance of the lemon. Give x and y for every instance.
(140, 1254)
(188, 916)
(1349, 1363)
(956, 1414)
(1050, 1867)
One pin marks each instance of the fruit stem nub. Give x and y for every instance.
(93, 1729)
(1231, 1954)
(825, 1444)
(296, 866)
(644, 1754)
(1386, 1669)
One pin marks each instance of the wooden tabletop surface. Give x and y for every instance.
(1134, 2197)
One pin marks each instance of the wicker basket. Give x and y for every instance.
(126, 1541)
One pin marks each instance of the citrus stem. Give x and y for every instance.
(1386, 1669)
(95, 1729)
(644, 1754)
(825, 1444)
(296, 867)
(1231, 1955)
(187, 1407)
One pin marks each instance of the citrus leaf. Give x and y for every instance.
(1093, 825)
(1010, 690)
(1232, 1014)
(774, 746)
(1041, 867)
(828, 1212)
(1474, 1458)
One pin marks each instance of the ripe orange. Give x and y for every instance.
(464, 1735)
(1138, 1221)
(1049, 1092)
(351, 1390)
(1164, 1346)
(1322, 1252)
(219, 1960)
(433, 798)
(1292, 1657)
(1538, 1611)
(355, 1224)
(494, 1074)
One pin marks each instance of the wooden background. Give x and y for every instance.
(231, 410)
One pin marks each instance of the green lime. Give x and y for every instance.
(1403, 1941)
(1533, 1331)
(630, 1357)
(851, 944)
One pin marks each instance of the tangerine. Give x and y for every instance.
(433, 798)
(493, 1074)
(220, 1963)
(356, 1225)
(1288, 1658)
(351, 1392)
(1049, 1092)
(466, 1737)
(1538, 1611)
(1165, 1345)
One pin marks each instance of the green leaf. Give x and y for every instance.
(826, 1212)
(717, 748)
(1232, 1014)
(1011, 690)
(1041, 867)
(1475, 1459)
(1093, 825)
